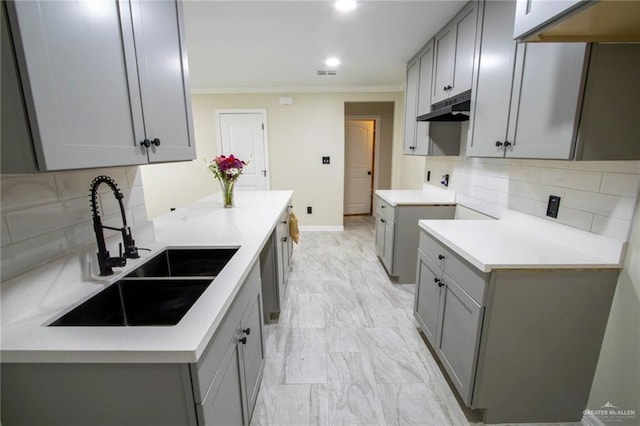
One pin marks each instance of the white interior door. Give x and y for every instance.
(243, 135)
(359, 137)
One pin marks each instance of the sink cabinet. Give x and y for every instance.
(102, 84)
(396, 235)
(220, 388)
(514, 342)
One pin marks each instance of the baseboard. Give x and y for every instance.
(321, 228)
(591, 420)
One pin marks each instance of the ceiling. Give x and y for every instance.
(274, 46)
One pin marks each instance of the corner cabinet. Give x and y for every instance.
(454, 54)
(527, 97)
(514, 342)
(103, 84)
(396, 235)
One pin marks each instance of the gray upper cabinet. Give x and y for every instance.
(98, 79)
(411, 106)
(454, 54)
(527, 97)
(418, 102)
(533, 14)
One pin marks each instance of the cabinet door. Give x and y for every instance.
(77, 68)
(445, 45)
(458, 337)
(223, 404)
(532, 14)
(465, 25)
(380, 231)
(427, 298)
(424, 101)
(492, 90)
(549, 81)
(252, 351)
(389, 241)
(411, 107)
(163, 71)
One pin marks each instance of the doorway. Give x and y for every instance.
(360, 145)
(243, 133)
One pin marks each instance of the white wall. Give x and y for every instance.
(45, 216)
(299, 135)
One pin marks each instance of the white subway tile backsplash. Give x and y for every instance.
(625, 185)
(587, 181)
(632, 167)
(22, 191)
(597, 196)
(611, 227)
(522, 204)
(27, 254)
(567, 216)
(526, 173)
(133, 197)
(602, 204)
(47, 215)
(34, 221)
(76, 184)
(537, 192)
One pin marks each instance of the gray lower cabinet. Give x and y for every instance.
(220, 389)
(513, 342)
(396, 235)
(98, 84)
(275, 265)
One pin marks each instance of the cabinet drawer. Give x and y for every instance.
(204, 371)
(385, 209)
(469, 278)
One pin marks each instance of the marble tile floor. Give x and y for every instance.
(346, 350)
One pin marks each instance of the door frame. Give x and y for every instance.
(377, 120)
(265, 133)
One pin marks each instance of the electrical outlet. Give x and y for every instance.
(553, 206)
(326, 160)
(309, 210)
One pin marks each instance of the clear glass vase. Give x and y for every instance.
(227, 193)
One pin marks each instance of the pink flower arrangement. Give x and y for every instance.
(227, 169)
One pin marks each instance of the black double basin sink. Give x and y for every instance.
(157, 293)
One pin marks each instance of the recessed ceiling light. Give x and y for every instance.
(345, 5)
(332, 62)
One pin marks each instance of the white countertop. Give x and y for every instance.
(34, 299)
(409, 197)
(520, 241)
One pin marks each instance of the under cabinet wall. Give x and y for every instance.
(46, 216)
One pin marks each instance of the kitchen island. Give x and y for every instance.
(134, 375)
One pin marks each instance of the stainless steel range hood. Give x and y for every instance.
(615, 21)
(456, 108)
